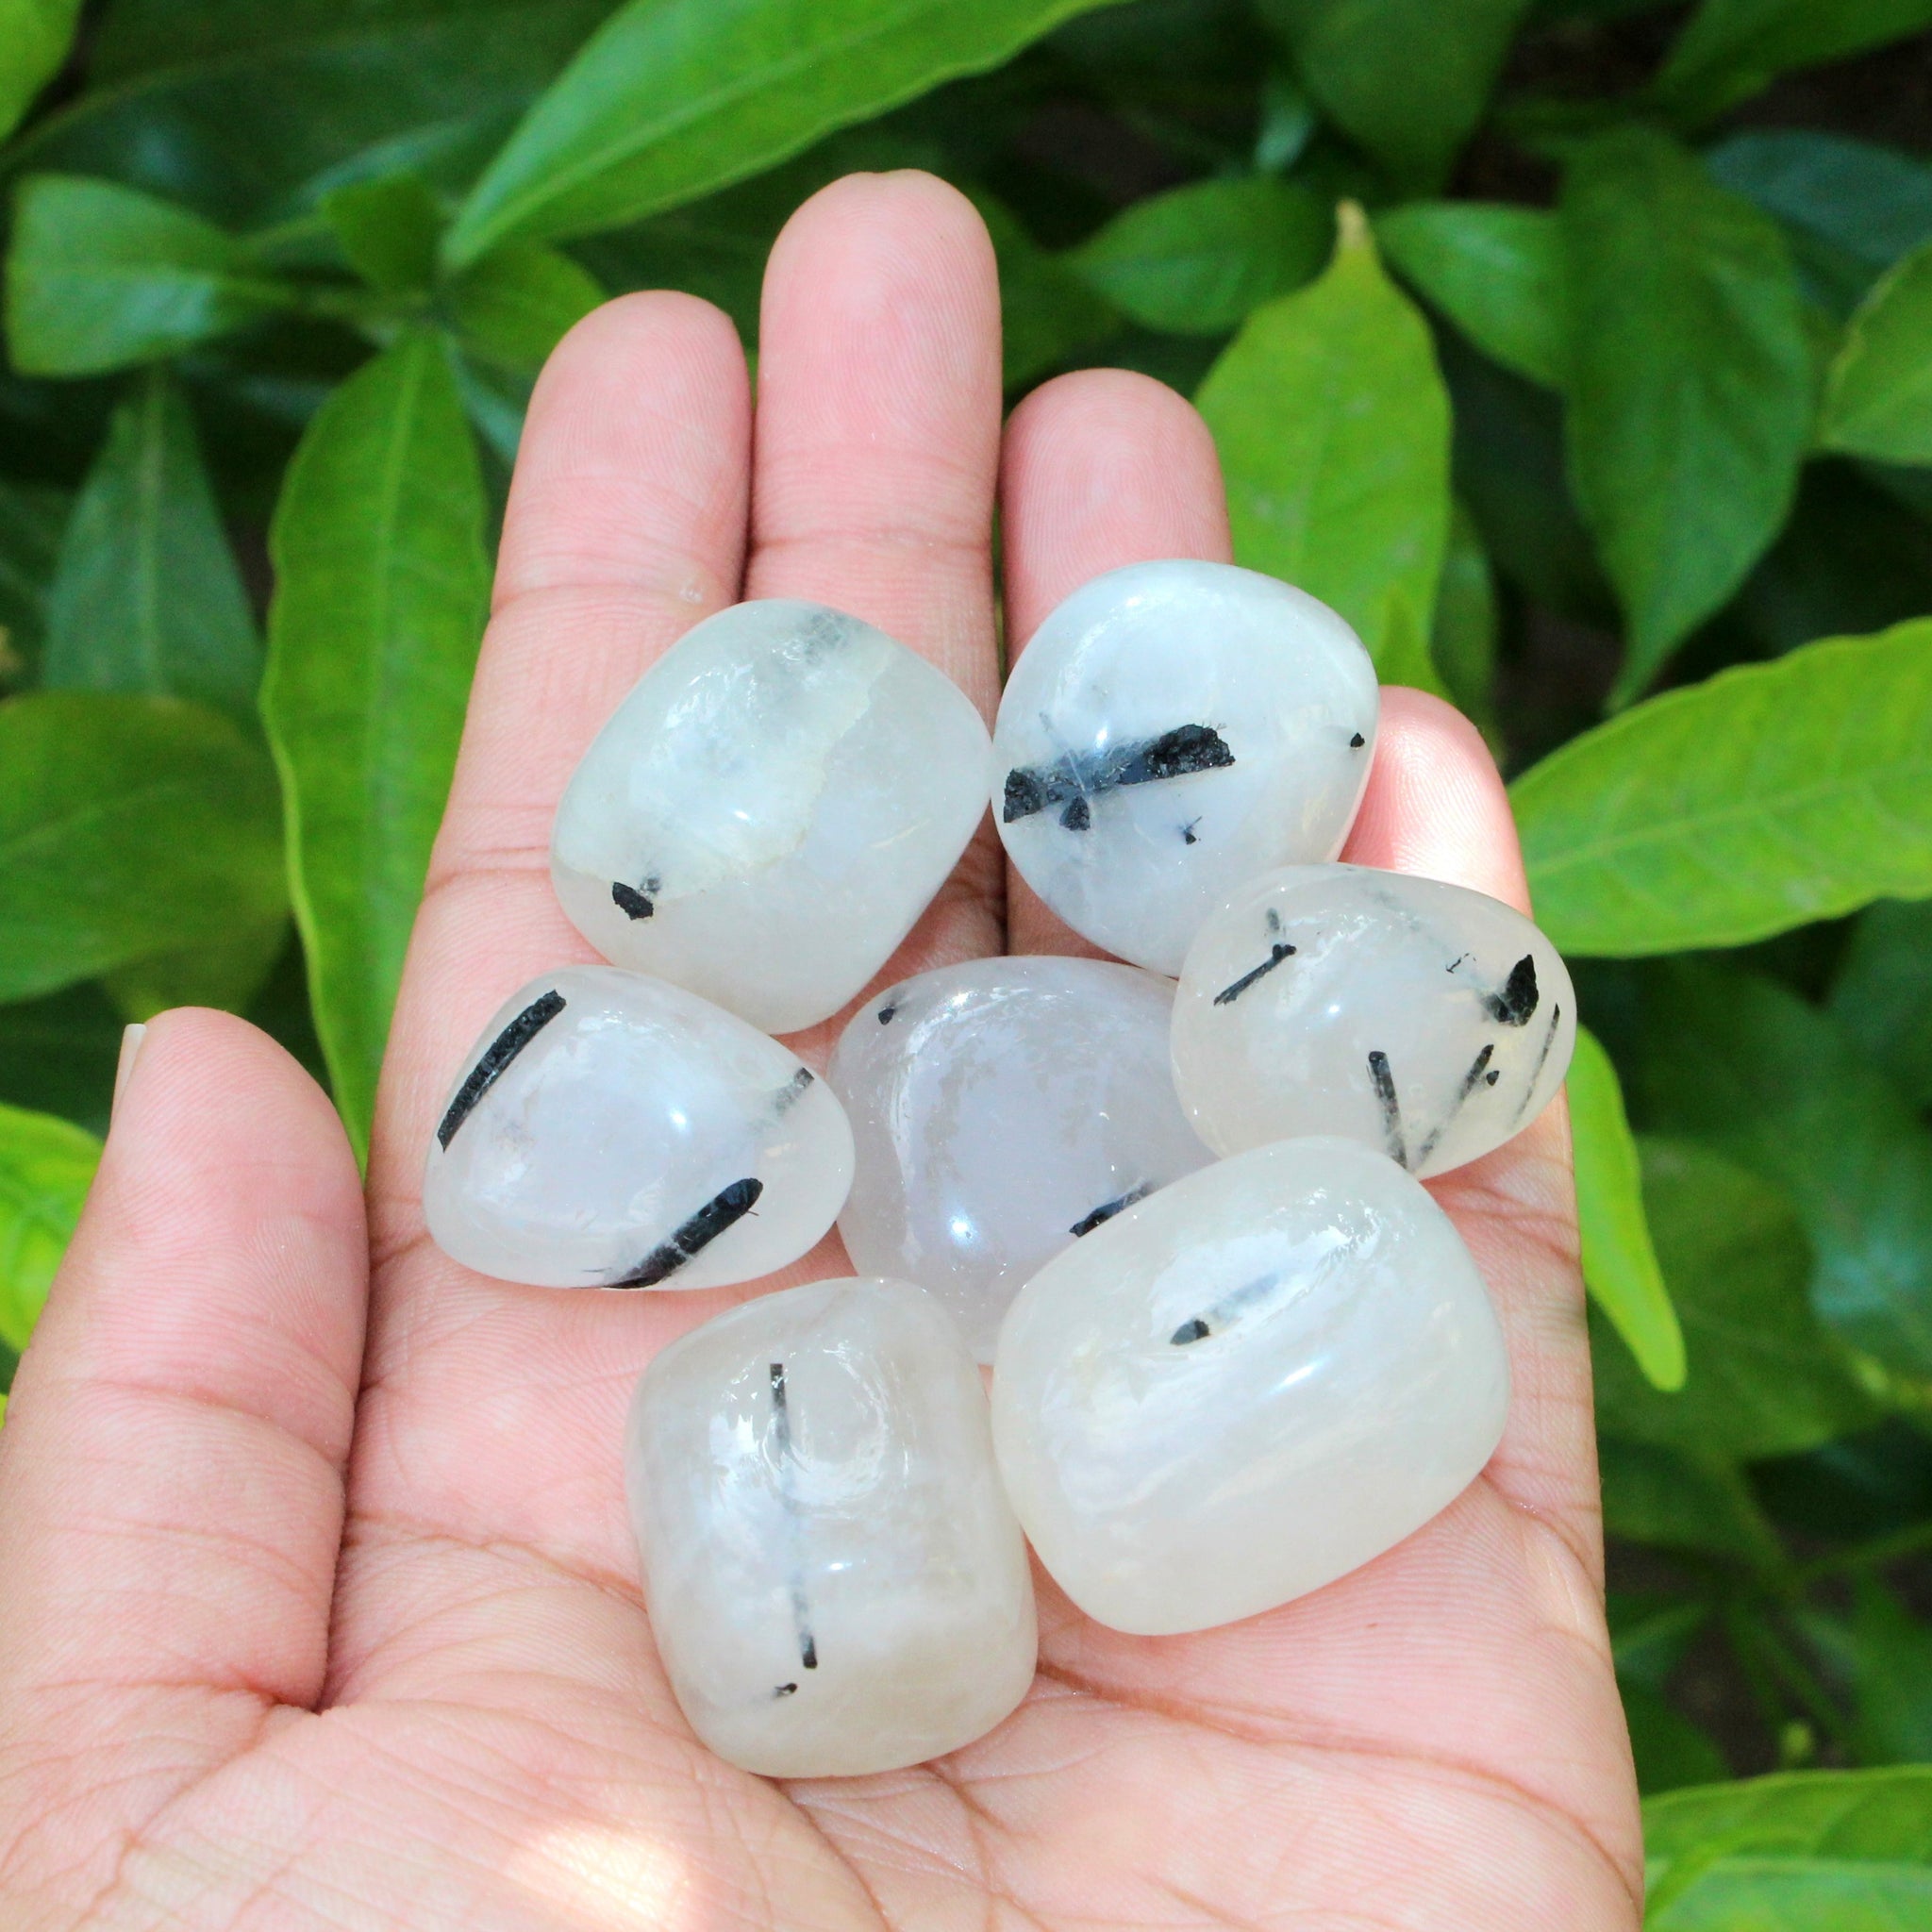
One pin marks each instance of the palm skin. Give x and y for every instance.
(319, 1603)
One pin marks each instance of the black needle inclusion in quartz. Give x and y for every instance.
(1515, 1004)
(1108, 1209)
(724, 1208)
(1077, 778)
(496, 1057)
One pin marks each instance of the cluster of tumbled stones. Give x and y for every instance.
(1237, 1349)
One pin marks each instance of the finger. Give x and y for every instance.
(1101, 469)
(877, 450)
(170, 1471)
(1436, 805)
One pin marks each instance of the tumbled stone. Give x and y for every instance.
(1003, 1109)
(835, 1578)
(1172, 730)
(1419, 1017)
(1245, 1387)
(612, 1132)
(770, 809)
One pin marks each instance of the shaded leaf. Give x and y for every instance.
(1690, 383)
(382, 585)
(1768, 796)
(34, 38)
(250, 113)
(1463, 639)
(1333, 428)
(517, 303)
(1749, 1066)
(46, 1167)
(1678, 1501)
(227, 975)
(1048, 315)
(147, 597)
(1892, 1678)
(1359, 59)
(1882, 994)
(58, 1055)
(1765, 1378)
(1670, 1751)
(1879, 395)
(31, 521)
(1196, 260)
(1620, 1265)
(1496, 272)
(1867, 1485)
(389, 229)
(672, 98)
(100, 277)
(1732, 49)
(129, 826)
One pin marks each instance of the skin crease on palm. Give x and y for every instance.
(318, 1605)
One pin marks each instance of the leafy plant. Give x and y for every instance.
(1591, 381)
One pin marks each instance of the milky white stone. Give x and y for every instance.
(1245, 1387)
(1172, 730)
(1424, 1019)
(610, 1131)
(770, 810)
(1002, 1108)
(835, 1578)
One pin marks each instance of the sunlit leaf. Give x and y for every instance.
(34, 38)
(46, 1167)
(1878, 396)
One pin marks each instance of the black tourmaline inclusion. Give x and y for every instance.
(728, 1205)
(1077, 780)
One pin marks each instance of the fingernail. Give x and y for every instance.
(130, 1046)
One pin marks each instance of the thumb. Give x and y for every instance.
(171, 1464)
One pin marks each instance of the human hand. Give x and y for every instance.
(304, 1633)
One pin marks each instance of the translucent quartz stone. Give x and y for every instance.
(610, 1131)
(1245, 1387)
(835, 1578)
(1172, 730)
(770, 810)
(1421, 1018)
(1002, 1109)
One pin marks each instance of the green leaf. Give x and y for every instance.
(31, 521)
(129, 826)
(517, 303)
(1048, 315)
(101, 277)
(1198, 259)
(1746, 1064)
(671, 98)
(46, 1167)
(1363, 61)
(1878, 396)
(1618, 1263)
(1670, 1751)
(1690, 383)
(147, 597)
(1765, 1378)
(1892, 1678)
(1463, 640)
(1882, 994)
(227, 975)
(1495, 271)
(1333, 428)
(250, 113)
(1855, 208)
(389, 229)
(381, 587)
(1765, 797)
(34, 38)
(58, 1055)
(1677, 1500)
(1733, 49)
(1812, 1851)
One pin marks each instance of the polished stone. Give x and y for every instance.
(770, 809)
(1172, 729)
(1245, 1387)
(1003, 1109)
(834, 1579)
(612, 1132)
(1421, 1018)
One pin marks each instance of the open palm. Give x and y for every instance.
(296, 1631)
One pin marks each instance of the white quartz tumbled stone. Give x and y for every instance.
(1245, 1387)
(612, 1132)
(1172, 729)
(1421, 1018)
(770, 809)
(1001, 1111)
(835, 1578)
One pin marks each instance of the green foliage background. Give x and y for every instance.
(1578, 351)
